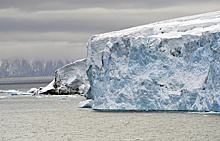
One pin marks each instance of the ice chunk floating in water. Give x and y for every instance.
(32, 90)
(70, 79)
(85, 104)
(169, 65)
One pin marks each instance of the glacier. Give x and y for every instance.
(168, 65)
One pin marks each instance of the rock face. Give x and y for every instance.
(169, 65)
(70, 79)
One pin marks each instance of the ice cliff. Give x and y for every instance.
(168, 65)
(70, 79)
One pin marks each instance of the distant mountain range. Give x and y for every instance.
(23, 67)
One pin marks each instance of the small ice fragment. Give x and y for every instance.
(62, 98)
(38, 96)
(1, 97)
(139, 139)
(32, 90)
(24, 93)
(75, 96)
(14, 93)
(9, 91)
(86, 104)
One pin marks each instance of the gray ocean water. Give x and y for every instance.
(24, 83)
(47, 118)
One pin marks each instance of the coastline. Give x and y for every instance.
(25, 80)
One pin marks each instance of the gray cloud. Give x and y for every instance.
(60, 29)
(43, 50)
(76, 4)
(33, 5)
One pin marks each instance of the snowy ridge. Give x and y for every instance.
(28, 67)
(202, 21)
(169, 65)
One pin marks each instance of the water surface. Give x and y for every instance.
(46, 118)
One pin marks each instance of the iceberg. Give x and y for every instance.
(168, 65)
(70, 79)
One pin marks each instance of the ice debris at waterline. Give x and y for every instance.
(86, 104)
(168, 65)
(32, 91)
(62, 98)
(70, 79)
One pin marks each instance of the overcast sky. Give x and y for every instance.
(60, 29)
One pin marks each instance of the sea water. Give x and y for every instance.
(49, 118)
(24, 83)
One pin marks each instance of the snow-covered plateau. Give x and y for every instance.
(168, 65)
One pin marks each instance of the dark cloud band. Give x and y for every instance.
(62, 28)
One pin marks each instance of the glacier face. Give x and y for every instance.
(70, 79)
(169, 65)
